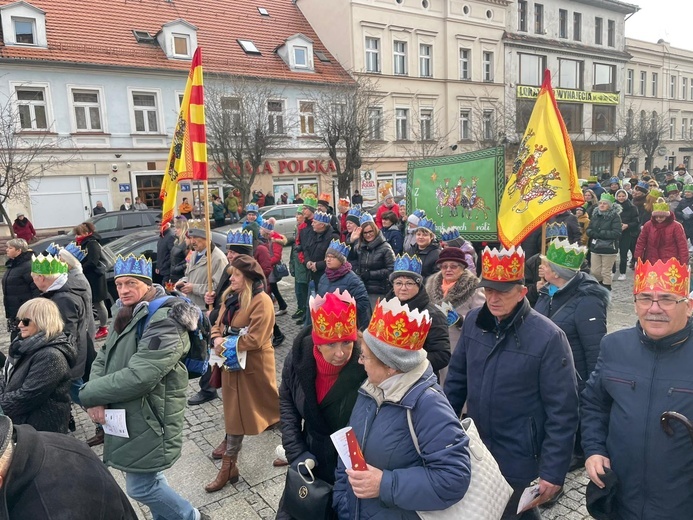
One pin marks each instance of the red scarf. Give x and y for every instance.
(81, 239)
(327, 374)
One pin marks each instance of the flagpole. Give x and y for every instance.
(208, 235)
(543, 238)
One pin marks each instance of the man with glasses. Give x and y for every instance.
(641, 373)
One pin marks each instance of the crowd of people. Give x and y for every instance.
(404, 329)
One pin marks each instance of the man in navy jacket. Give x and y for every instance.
(515, 370)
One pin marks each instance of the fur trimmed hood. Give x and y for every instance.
(182, 311)
(458, 294)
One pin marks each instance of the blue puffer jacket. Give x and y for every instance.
(518, 380)
(352, 283)
(408, 484)
(636, 380)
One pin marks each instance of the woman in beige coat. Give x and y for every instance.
(251, 399)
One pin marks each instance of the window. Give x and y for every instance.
(487, 125)
(32, 108)
(143, 36)
(401, 124)
(577, 27)
(464, 64)
(690, 128)
(232, 113)
(629, 81)
(464, 123)
(643, 81)
(562, 23)
(672, 87)
(131, 221)
(146, 113)
(181, 45)
(684, 128)
(263, 11)
(24, 31)
(426, 124)
(531, 69)
(598, 30)
(307, 116)
(691, 84)
(684, 88)
(672, 128)
(425, 52)
(603, 118)
(611, 33)
(375, 123)
(248, 47)
(488, 66)
(400, 57)
(604, 78)
(275, 117)
(570, 74)
(87, 110)
(654, 84)
(522, 15)
(372, 55)
(538, 19)
(572, 116)
(300, 56)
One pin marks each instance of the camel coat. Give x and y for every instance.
(251, 398)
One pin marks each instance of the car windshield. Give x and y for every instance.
(118, 245)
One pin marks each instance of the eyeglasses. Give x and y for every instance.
(645, 302)
(369, 232)
(328, 255)
(363, 358)
(406, 285)
(454, 266)
(25, 321)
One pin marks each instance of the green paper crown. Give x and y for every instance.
(672, 187)
(47, 265)
(564, 254)
(311, 202)
(688, 187)
(592, 178)
(655, 193)
(608, 196)
(299, 209)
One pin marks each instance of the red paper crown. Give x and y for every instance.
(394, 324)
(334, 317)
(506, 265)
(669, 277)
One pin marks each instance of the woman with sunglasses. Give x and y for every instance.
(35, 388)
(376, 258)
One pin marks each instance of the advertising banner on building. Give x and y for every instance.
(461, 191)
(369, 188)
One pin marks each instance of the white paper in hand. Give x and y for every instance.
(115, 424)
(528, 495)
(341, 444)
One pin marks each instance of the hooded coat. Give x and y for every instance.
(24, 229)
(17, 284)
(630, 217)
(92, 269)
(662, 241)
(36, 386)
(376, 262)
(605, 227)
(352, 283)
(163, 254)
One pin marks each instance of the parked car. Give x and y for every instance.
(285, 214)
(140, 243)
(110, 226)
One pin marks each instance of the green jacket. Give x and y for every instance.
(149, 381)
(232, 204)
(296, 268)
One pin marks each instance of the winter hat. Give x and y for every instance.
(396, 335)
(621, 191)
(660, 208)
(601, 503)
(247, 265)
(454, 254)
(267, 226)
(416, 216)
(338, 249)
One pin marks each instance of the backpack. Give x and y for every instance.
(196, 361)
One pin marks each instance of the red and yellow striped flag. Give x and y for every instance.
(544, 179)
(187, 158)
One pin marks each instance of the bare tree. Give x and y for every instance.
(246, 120)
(651, 129)
(25, 157)
(428, 135)
(349, 121)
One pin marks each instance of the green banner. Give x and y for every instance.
(575, 96)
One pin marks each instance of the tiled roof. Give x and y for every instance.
(99, 32)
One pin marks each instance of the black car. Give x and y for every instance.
(110, 226)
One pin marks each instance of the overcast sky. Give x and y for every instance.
(668, 19)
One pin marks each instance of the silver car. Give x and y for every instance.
(284, 214)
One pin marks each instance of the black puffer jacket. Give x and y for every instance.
(579, 309)
(314, 246)
(179, 252)
(91, 266)
(629, 215)
(17, 284)
(163, 254)
(429, 257)
(685, 219)
(36, 386)
(604, 226)
(376, 263)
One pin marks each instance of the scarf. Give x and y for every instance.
(446, 286)
(327, 374)
(22, 222)
(126, 311)
(81, 239)
(232, 302)
(335, 274)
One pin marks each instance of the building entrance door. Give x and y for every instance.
(148, 189)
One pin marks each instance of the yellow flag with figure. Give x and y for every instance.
(544, 180)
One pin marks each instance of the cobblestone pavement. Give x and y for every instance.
(258, 492)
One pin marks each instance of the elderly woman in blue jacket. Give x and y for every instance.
(400, 387)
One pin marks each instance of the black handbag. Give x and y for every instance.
(603, 246)
(280, 270)
(307, 498)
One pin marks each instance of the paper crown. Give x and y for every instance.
(406, 263)
(299, 209)
(323, 217)
(365, 217)
(661, 207)
(450, 313)
(564, 254)
(355, 212)
(615, 180)
(656, 193)
(643, 185)
(424, 223)
(252, 208)
(239, 238)
(47, 265)
(669, 277)
(608, 197)
(344, 202)
(688, 187)
(592, 178)
(419, 213)
(53, 249)
(76, 251)
(447, 234)
(325, 199)
(506, 265)
(334, 317)
(310, 202)
(402, 203)
(672, 187)
(138, 267)
(266, 224)
(339, 247)
(395, 325)
(556, 230)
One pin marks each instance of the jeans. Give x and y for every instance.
(74, 390)
(234, 216)
(152, 490)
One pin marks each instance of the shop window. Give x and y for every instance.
(603, 119)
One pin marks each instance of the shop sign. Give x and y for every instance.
(369, 188)
(124, 188)
(289, 166)
(575, 96)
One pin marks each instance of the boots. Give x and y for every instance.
(227, 473)
(219, 451)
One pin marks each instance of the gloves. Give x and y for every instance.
(303, 457)
(365, 275)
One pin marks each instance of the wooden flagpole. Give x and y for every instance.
(208, 235)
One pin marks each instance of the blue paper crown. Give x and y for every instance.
(411, 264)
(427, 224)
(355, 211)
(53, 249)
(644, 185)
(76, 251)
(252, 208)
(615, 180)
(366, 217)
(448, 234)
(323, 217)
(419, 213)
(340, 247)
(556, 230)
(266, 224)
(239, 238)
(139, 267)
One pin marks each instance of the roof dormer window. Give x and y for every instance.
(23, 25)
(178, 39)
(181, 45)
(297, 52)
(24, 31)
(300, 57)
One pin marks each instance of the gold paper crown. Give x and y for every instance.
(506, 265)
(396, 325)
(334, 317)
(669, 277)
(661, 206)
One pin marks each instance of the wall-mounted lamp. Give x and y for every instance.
(118, 155)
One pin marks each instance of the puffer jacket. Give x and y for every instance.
(579, 309)
(17, 285)
(604, 226)
(393, 236)
(428, 256)
(314, 246)
(179, 252)
(408, 483)
(662, 241)
(147, 379)
(630, 216)
(352, 283)
(686, 219)
(376, 262)
(635, 381)
(518, 380)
